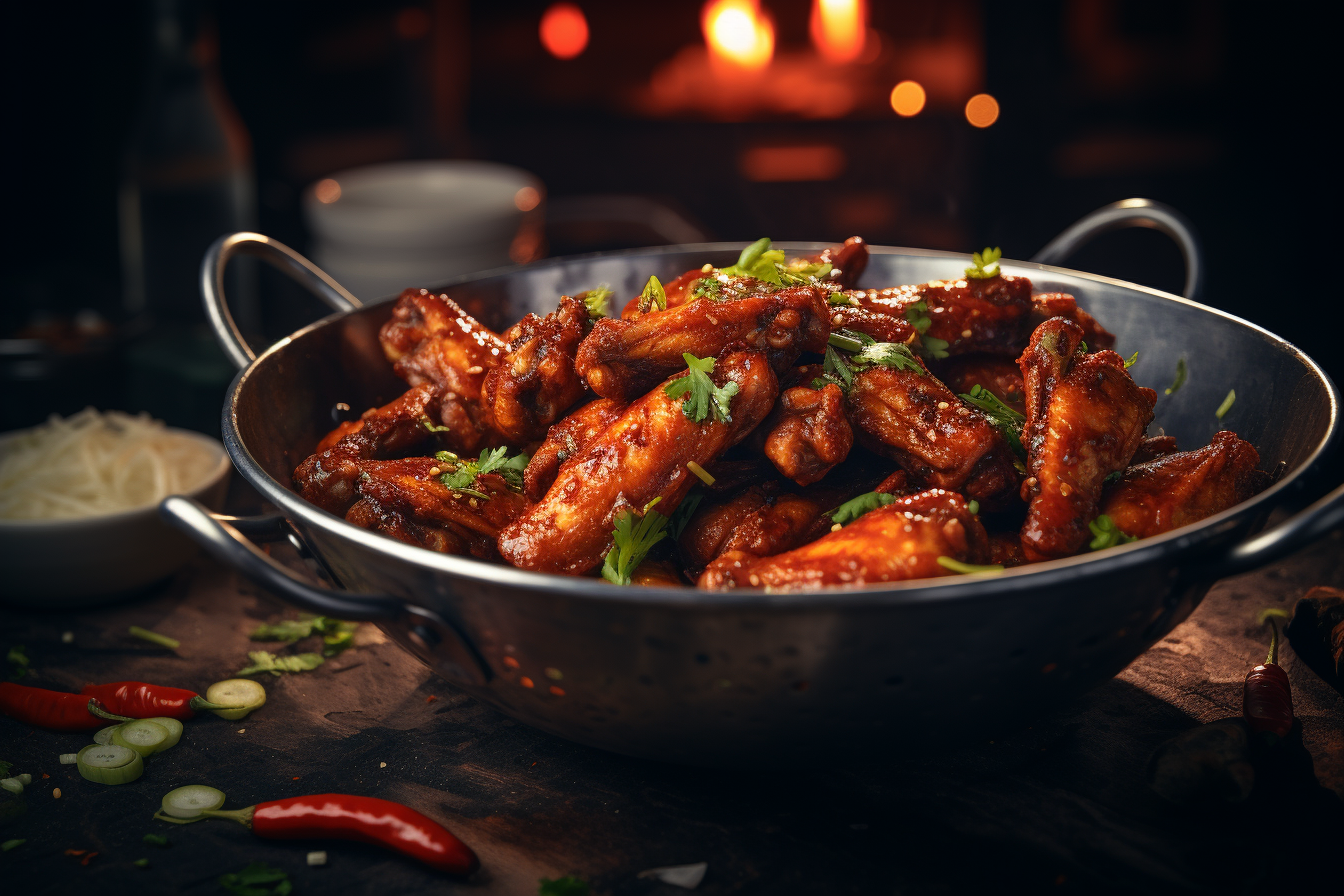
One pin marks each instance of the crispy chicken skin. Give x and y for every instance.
(535, 382)
(565, 440)
(642, 455)
(848, 261)
(1178, 489)
(1060, 304)
(918, 422)
(1085, 419)
(759, 521)
(410, 489)
(998, 374)
(899, 541)
(327, 478)
(808, 433)
(623, 359)
(878, 324)
(969, 315)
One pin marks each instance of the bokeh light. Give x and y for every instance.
(327, 191)
(564, 30)
(907, 98)
(982, 110)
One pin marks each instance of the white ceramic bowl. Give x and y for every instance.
(386, 227)
(71, 563)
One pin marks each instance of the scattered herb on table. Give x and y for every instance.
(252, 881)
(141, 863)
(18, 656)
(265, 661)
(156, 840)
(337, 634)
(154, 637)
(12, 844)
(701, 395)
(562, 886)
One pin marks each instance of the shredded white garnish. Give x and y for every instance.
(92, 464)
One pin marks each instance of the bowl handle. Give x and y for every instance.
(1133, 213)
(435, 639)
(1296, 532)
(275, 253)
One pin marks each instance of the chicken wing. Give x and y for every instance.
(622, 359)
(998, 374)
(1060, 304)
(969, 315)
(902, 540)
(808, 434)
(1085, 419)
(1178, 489)
(536, 382)
(642, 455)
(566, 440)
(759, 521)
(915, 420)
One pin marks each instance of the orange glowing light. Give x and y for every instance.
(838, 29)
(327, 191)
(526, 199)
(773, 164)
(982, 110)
(907, 98)
(737, 32)
(564, 30)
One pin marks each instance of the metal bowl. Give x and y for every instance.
(749, 678)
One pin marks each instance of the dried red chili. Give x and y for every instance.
(363, 818)
(1267, 697)
(54, 710)
(148, 701)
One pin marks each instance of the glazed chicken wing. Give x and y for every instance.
(565, 440)
(622, 359)
(1085, 419)
(808, 433)
(902, 540)
(642, 455)
(1178, 489)
(998, 374)
(535, 382)
(1060, 304)
(759, 521)
(970, 315)
(915, 420)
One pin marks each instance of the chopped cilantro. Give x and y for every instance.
(563, 886)
(839, 298)
(918, 316)
(973, 506)
(156, 840)
(464, 472)
(1106, 534)
(429, 425)
(596, 301)
(635, 534)
(1132, 360)
(865, 350)
(682, 515)
(1005, 419)
(653, 296)
(854, 508)
(709, 287)
(264, 661)
(251, 881)
(18, 655)
(1227, 404)
(702, 395)
(984, 264)
(1181, 373)
(801, 271)
(969, 568)
(12, 844)
(337, 634)
(141, 863)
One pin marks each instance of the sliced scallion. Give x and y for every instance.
(103, 736)
(110, 764)
(190, 801)
(69, 758)
(242, 695)
(13, 785)
(172, 726)
(142, 736)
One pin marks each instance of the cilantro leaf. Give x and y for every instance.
(1005, 419)
(854, 508)
(18, 655)
(918, 316)
(933, 347)
(956, 565)
(463, 473)
(596, 301)
(264, 661)
(1133, 359)
(702, 395)
(864, 351)
(1181, 374)
(984, 264)
(563, 886)
(682, 515)
(1106, 534)
(889, 354)
(633, 537)
(839, 298)
(708, 287)
(251, 880)
(1227, 404)
(653, 296)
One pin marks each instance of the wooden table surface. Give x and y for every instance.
(1060, 805)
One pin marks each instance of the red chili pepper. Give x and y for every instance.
(363, 818)
(53, 709)
(147, 701)
(1267, 699)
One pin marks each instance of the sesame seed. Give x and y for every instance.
(965, 334)
(475, 369)
(707, 268)
(942, 405)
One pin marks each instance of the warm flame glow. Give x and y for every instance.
(564, 30)
(736, 31)
(527, 198)
(838, 29)
(907, 98)
(982, 110)
(327, 191)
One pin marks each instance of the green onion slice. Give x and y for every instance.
(172, 726)
(190, 801)
(70, 758)
(103, 736)
(142, 736)
(110, 764)
(242, 695)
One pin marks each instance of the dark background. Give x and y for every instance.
(1215, 109)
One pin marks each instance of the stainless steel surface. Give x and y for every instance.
(1133, 213)
(748, 678)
